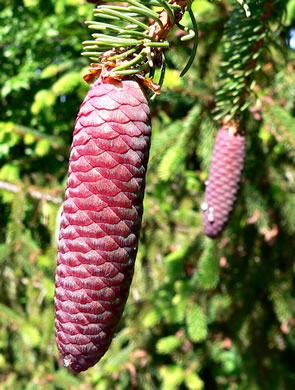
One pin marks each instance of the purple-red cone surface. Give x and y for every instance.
(223, 182)
(101, 219)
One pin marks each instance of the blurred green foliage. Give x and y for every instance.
(201, 314)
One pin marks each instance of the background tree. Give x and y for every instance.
(201, 314)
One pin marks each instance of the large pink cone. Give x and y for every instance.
(223, 182)
(101, 219)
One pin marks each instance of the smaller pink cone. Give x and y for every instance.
(223, 182)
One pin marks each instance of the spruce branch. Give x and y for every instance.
(131, 38)
(245, 40)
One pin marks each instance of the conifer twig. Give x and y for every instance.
(128, 46)
(244, 43)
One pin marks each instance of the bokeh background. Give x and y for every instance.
(201, 314)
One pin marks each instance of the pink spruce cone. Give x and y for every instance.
(101, 219)
(223, 182)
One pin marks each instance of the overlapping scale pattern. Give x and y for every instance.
(101, 219)
(223, 182)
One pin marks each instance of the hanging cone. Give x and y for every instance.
(223, 182)
(101, 219)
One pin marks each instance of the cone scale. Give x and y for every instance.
(101, 219)
(223, 181)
